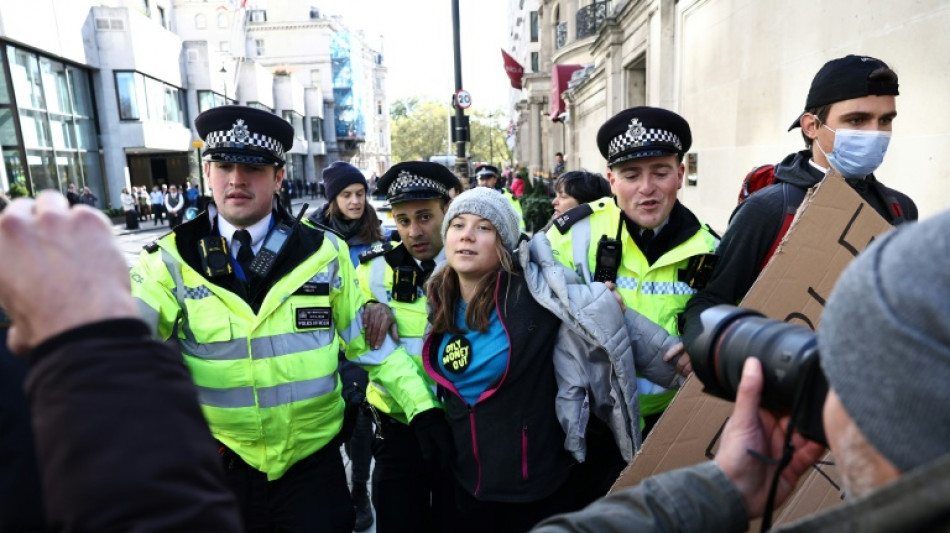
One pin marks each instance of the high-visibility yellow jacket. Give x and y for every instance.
(516, 204)
(658, 291)
(266, 375)
(375, 276)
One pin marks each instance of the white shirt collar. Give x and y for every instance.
(258, 231)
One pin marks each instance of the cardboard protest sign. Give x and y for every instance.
(831, 227)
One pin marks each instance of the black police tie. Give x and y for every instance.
(245, 252)
(646, 237)
(428, 266)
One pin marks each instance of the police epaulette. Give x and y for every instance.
(572, 216)
(374, 252)
(151, 247)
(324, 228)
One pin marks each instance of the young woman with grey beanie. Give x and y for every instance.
(491, 349)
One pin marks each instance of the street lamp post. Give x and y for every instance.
(491, 145)
(461, 163)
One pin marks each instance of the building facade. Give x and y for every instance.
(105, 96)
(739, 71)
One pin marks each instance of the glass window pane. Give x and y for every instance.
(156, 98)
(42, 171)
(54, 86)
(4, 90)
(128, 97)
(7, 129)
(33, 126)
(25, 71)
(13, 165)
(92, 175)
(82, 97)
(86, 134)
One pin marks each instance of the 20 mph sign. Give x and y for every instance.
(463, 99)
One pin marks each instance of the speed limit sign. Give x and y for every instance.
(463, 99)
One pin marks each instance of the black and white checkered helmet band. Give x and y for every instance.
(643, 138)
(407, 182)
(217, 140)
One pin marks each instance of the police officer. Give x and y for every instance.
(261, 337)
(487, 176)
(394, 273)
(654, 249)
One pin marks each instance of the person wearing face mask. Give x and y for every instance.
(846, 125)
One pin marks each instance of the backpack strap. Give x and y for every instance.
(792, 197)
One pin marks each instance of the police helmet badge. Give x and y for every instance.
(239, 131)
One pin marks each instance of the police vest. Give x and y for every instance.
(267, 382)
(375, 276)
(655, 291)
(517, 205)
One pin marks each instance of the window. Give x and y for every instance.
(210, 99)
(315, 77)
(223, 20)
(379, 107)
(201, 22)
(224, 47)
(535, 67)
(128, 98)
(259, 46)
(161, 17)
(296, 120)
(534, 26)
(258, 15)
(144, 98)
(258, 105)
(316, 129)
(146, 9)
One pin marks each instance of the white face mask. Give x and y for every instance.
(857, 153)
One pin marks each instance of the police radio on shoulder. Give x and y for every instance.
(274, 245)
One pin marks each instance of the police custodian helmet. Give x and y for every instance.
(417, 180)
(240, 134)
(643, 132)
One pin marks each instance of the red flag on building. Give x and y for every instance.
(514, 69)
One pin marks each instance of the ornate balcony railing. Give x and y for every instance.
(590, 17)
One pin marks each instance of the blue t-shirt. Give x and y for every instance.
(473, 361)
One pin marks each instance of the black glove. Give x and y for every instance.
(435, 439)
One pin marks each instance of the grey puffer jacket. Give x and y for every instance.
(598, 351)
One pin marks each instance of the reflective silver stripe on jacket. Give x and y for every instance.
(267, 396)
(231, 350)
(354, 329)
(174, 270)
(296, 391)
(377, 280)
(288, 343)
(377, 356)
(413, 345)
(226, 398)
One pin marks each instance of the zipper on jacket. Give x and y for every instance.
(524, 452)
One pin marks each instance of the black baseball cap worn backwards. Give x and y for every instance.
(843, 79)
(240, 134)
(417, 180)
(643, 132)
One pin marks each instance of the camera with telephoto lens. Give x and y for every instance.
(793, 381)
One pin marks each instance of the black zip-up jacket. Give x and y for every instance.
(510, 445)
(755, 224)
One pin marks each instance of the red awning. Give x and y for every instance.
(514, 70)
(559, 78)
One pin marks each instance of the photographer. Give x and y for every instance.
(120, 440)
(885, 416)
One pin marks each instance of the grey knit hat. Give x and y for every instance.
(490, 205)
(884, 340)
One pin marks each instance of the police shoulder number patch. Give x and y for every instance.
(374, 252)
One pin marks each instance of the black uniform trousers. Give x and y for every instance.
(407, 496)
(312, 497)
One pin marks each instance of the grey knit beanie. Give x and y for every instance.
(490, 205)
(884, 340)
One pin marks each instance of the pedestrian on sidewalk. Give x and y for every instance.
(174, 206)
(128, 206)
(158, 204)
